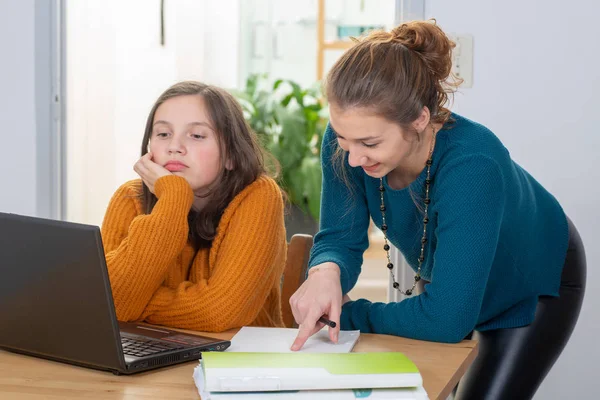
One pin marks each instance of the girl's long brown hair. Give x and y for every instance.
(238, 145)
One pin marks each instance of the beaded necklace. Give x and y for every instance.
(384, 226)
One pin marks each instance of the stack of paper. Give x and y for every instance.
(260, 365)
(412, 393)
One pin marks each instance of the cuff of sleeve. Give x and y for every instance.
(355, 315)
(345, 318)
(176, 185)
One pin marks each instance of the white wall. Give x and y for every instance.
(17, 107)
(30, 108)
(536, 85)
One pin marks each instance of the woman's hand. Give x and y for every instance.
(319, 295)
(149, 171)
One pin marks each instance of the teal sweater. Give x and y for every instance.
(496, 238)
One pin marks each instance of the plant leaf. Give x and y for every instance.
(290, 122)
(312, 176)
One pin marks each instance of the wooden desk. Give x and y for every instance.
(24, 377)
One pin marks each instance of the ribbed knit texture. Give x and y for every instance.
(156, 275)
(496, 239)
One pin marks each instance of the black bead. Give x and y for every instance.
(390, 266)
(421, 258)
(425, 220)
(384, 227)
(381, 189)
(408, 292)
(428, 181)
(424, 240)
(382, 208)
(429, 162)
(417, 278)
(386, 247)
(427, 201)
(396, 285)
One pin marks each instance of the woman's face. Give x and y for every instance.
(184, 141)
(373, 143)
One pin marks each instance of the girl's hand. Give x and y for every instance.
(149, 171)
(320, 294)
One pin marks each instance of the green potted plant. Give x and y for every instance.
(290, 122)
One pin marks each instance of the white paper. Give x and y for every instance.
(279, 340)
(417, 393)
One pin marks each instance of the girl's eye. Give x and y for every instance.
(195, 136)
(162, 134)
(369, 145)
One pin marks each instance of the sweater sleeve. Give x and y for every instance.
(470, 211)
(140, 248)
(343, 231)
(245, 264)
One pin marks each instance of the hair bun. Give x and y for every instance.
(428, 40)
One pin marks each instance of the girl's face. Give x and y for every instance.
(373, 143)
(184, 141)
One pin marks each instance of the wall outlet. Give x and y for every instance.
(462, 58)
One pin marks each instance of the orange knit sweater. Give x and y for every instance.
(156, 276)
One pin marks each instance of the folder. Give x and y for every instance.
(416, 393)
(254, 372)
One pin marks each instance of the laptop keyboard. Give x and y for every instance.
(140, 347)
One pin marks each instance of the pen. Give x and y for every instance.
(327, 322)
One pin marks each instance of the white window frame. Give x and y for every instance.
(49, 108)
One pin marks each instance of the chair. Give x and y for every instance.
(294, 273)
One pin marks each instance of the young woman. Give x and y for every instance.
(496, 252)
(199, 241)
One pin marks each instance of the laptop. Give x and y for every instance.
(56, 303)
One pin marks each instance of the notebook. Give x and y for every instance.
(411, 393)
(279, 340)
(240, 372)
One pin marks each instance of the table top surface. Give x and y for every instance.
(24, 377)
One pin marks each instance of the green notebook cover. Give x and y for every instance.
(229, 371)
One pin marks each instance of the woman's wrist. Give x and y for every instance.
(324, 267)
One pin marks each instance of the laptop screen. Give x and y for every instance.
(55, 296)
